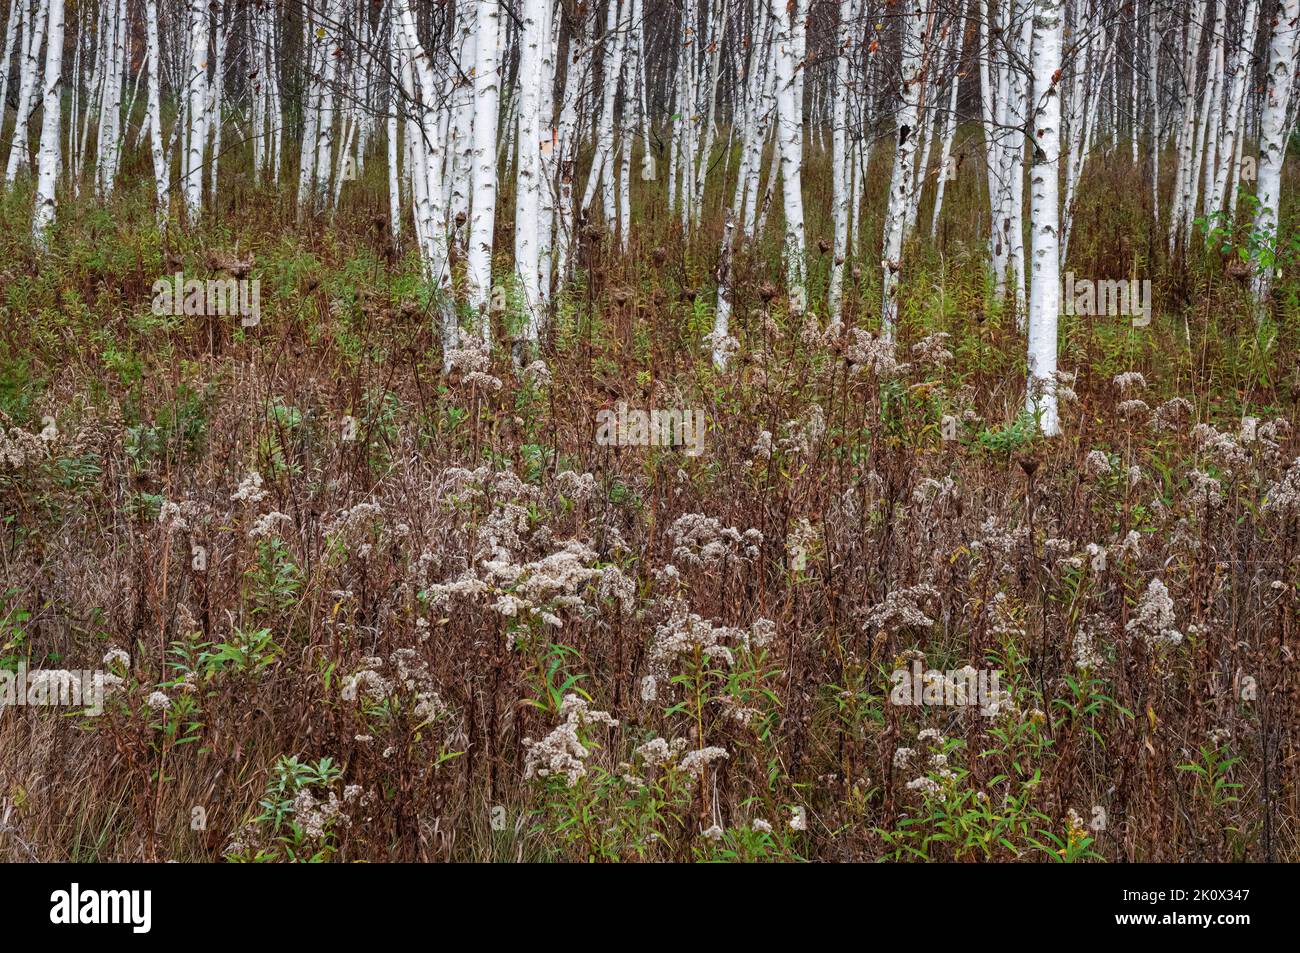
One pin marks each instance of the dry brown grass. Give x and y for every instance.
(182, 410)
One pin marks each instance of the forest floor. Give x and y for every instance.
(346, 606)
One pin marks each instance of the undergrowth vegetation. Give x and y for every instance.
(349, 607)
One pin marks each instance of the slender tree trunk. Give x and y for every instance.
(949, 133)
(487, 96)
(1044, 210)
(47, 163)
(16, 8)
(161, 167)
(197, 109)
(529, 173)
(392, 128)
(842, 187)
(29, 83)
(1187, 131)
(108, 144)
(1282, 46)
(790, 142)
(915, 26)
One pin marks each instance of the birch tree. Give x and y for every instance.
(848, 11)
(1239, 79)
(329, 71)
(16, 9)
(109, 140)
(1044, 211)
(561, 96)
(29, 83)
(534, 32)
(1283, 40)
(790, 146)
(487, 95)
(196, 109)
(153, 110)
(946, 143)
(52, 114)
(915, 24)
(1187, 129)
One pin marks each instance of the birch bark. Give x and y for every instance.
(197, 109)
(29, 82)
(1044, 210)
(487, 96)
(529, 171)
(1240, 78)
(906, 136)
(161, 168)
(1283, 41)
(842, 187)
(790, 144)
(47, 170)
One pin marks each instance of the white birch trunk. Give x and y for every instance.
(328, 71)
(722, 314)
(197, 109)
(392, 127)
(1233, 117)
(547, 142)
(487, 95)
(161, 168)
(16, 9)
(462, 121)
(842, 187)
(1153, 95)
(949, 133)
(991, 111)
(315, 49)
(29, 83)
(47, 163)
(1283, 41)
(790, 143)
(601, 174)
(906, 140)
(1187, 131)
(1215, 117)
(529, 173)
(108, 141)
(215, 92)
(1022, 32)
(1044, 205)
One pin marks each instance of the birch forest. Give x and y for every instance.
(649, 430)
